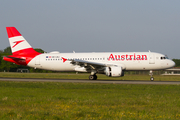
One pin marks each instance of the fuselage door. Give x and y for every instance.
(151, 58)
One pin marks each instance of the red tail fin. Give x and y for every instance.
(21, 49)
(19, 45)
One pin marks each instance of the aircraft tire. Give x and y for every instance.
(93, 77)
(152, 79)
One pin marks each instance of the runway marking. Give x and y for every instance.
(92, 81)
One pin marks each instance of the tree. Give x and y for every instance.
(39, 50)
(8, 50)
(177, 61)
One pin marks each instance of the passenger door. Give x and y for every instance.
(151, 58)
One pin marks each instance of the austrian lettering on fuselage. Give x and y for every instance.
(127, 57)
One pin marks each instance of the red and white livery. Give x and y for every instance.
(112, 64)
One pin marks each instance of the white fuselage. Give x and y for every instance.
(127, 60)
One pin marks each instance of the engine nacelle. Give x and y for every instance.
(114, 71)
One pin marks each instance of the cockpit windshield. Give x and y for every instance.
(164, 57)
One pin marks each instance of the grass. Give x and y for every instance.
(85, 76)
(64, 101)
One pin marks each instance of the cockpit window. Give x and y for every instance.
(164, 57)
(167, 57)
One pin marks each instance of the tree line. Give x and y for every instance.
(11, 67)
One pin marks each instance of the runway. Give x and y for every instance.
(93, 81)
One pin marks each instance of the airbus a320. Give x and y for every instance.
(112, 64)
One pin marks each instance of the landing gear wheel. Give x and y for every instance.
(151, 74)
(93, 77)
(152, 79)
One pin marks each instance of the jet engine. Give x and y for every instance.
(114, 71)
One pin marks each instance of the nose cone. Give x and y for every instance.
(172, 63)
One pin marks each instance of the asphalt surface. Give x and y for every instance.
(93, 81)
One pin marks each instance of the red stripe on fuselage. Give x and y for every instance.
(26, 52)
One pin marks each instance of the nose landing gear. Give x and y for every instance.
(151, 74)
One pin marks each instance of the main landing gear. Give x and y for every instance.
(151, 74)
(93, 77)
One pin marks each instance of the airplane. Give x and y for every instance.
(112, 64)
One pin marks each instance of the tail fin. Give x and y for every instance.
(19, 46)
(22, 52)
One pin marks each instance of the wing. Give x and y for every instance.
(90, 65)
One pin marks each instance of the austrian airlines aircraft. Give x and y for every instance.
(112, 64)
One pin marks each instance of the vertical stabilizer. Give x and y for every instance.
(19, 45)
(22, 52)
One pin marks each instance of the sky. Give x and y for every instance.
(95, 25)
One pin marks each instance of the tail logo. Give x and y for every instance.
(17, 42)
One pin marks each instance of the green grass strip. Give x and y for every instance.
(49, 100)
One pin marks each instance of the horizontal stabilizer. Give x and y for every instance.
(17, 58)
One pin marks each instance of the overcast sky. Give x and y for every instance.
(95, 25)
